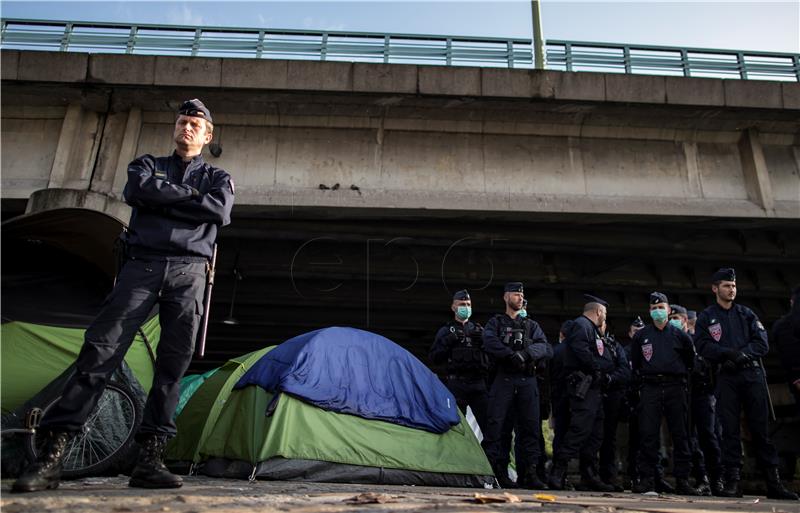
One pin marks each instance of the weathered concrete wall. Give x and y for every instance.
(413, 137)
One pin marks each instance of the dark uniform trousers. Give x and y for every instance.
(613, 403)
(560, 417)
(178, 287)
(519, 393)
(470, 391)
(663, 400)
(744, 387)
(585, 432)
(706, 451)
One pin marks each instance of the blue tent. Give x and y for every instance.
(347, 370)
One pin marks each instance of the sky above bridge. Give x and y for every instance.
(732, 24)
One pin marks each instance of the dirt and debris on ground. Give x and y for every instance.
(202, 494)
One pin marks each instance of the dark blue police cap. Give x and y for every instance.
(638, 322)
(678, 309)
(594, 299)
(196, 109)
(691, 314)
(724, 274)
(461, 295)
(658, 297)
(514, 286)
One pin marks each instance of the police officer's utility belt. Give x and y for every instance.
(751, 363)
(663, 378)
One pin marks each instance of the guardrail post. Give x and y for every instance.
(131, 39)
(196, 43)
(3, 30)
(568, 56)
(66, 37)
(260, 45)
(324, 48)
(626, 58)
(510, 53)
(386, 48)
(449, 52)
(742, 65)
(685, 63)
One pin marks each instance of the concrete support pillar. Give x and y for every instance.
(127, 150)
(66, 141)
(756, 174)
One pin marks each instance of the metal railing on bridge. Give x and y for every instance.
(151, 39)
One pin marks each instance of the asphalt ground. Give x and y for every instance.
(202, 494)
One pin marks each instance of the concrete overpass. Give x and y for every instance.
(366, 192)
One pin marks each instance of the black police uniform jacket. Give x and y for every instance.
(719, 332)
(585, 349)
(459, 347)
(668, 351)
(498, 342)
(177, 207)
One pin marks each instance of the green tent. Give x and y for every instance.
(227, 432)
(33, 355)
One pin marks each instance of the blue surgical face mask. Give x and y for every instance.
(677, 323)
(522, 313)
(659, 315)
(464, 312)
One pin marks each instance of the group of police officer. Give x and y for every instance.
(694, 373)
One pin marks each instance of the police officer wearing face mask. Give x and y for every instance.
(459, 347)
(516, 344)
(731, 336)
(662, 356)
(587, 365)
(178, 204)
(703, 441)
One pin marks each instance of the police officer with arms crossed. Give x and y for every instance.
(587, 365)
(179, 202)
(516, 344)
(731, 335)
(459, 346)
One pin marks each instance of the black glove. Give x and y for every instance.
(195, 193)
(729, 366)
(742, 359)
(518, 360)
(730, 354)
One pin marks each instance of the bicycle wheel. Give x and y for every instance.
(106, 437)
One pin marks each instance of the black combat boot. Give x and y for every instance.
(45, 472)
(644, 485)
(501, 473)
(557, 475)
(703, 486)
(150, 471)
(717, 485)
(531, 480)
(682, 487)
(731, 488)
(775, 489)
(591, 481)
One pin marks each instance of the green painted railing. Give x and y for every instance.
(392, 48)
(264, 43)
(665, 60)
